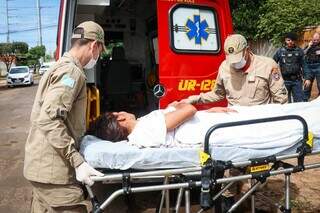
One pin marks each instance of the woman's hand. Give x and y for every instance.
(221, 109)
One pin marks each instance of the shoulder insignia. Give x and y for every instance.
(68, 81)
(275, 74)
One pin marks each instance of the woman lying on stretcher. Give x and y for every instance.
(182, 126)
(155, 129)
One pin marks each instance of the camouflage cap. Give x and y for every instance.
(233, 47)
(90, 30)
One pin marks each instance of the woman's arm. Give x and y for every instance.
(182, 113)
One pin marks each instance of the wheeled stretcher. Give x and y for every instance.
(185, 168)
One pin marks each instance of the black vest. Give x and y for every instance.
(290, 63)
(313, 54)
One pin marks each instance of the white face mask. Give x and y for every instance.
(91, 63)
(241, 64)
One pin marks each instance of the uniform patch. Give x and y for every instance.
(68, 81)
(275, 74)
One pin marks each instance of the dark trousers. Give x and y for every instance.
(313, 72)
(294, 90)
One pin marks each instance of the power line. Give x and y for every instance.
(30, 29)
(45, 7)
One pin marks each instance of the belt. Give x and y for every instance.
(292, 77)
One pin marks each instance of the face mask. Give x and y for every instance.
(91, 63)
(240, 64)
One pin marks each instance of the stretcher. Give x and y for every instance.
(183, 169)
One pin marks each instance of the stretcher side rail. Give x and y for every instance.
(187, 171)
(166, 172)
(213, 170)
(185, 185)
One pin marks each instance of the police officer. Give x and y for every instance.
(244, 78)
(290, 59)
(312, 65)
(52, 161)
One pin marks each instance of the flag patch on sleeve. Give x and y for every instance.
(68, 81)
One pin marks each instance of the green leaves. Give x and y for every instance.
(13, 48)
(271, 19)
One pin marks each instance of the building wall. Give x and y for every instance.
(307, 34)
(3, 68)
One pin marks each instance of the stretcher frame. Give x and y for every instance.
(211, 174)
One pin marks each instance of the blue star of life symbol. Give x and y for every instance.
(197, 29)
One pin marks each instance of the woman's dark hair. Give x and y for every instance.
(107, 128)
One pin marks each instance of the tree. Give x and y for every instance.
(282, 16)
(20, 47)
(48, 57)
(34, 54)
(271, 19)
(245, 15)
(10, 51)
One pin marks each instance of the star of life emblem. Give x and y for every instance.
(196, 29)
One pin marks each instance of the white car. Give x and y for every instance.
(19, 75)
(45, 67)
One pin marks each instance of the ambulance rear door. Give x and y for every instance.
(190, 40)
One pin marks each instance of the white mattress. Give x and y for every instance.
(227, 144)
(104, 154)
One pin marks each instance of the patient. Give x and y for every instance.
(155, 129)
(182, 126)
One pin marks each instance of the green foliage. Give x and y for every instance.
(282, 16)
(48, 57)
(34, 54)
(245, 15)
(11, 51)
(38, 51)
(20, 47)
(271, 19)
(13, 48)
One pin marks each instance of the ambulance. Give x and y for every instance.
(158, 51)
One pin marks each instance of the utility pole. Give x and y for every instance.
(7, 20)
(39, 23)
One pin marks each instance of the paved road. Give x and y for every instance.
(15, 108)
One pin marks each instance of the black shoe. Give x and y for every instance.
(226, 203)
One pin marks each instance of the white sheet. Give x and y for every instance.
(151, 132)
(257, 136)
(265, 140)
(105, 154)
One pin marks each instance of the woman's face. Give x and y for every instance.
(125, 119)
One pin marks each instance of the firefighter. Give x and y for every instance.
(290, 59)
(244, 78)
(53, 164)
(312, 65)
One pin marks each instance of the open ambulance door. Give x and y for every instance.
(67, 13)
(190, 40)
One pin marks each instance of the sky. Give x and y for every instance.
(23, 22)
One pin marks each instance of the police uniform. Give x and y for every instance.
(312, 67)
(58, 122)
(261, 83)
(291, 66)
